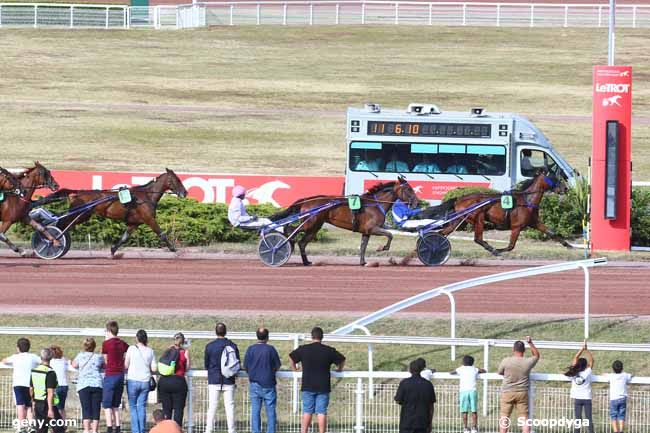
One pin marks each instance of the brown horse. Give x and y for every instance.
(141, 210)
(369, 220)
(16, 207)
(525, 211)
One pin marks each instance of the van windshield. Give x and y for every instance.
(434, 158)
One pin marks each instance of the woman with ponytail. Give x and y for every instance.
(581, 378)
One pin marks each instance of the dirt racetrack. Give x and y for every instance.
(238, 284)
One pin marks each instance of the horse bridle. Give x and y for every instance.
(17, 188)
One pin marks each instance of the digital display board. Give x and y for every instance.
(611, 169)
(428, 129)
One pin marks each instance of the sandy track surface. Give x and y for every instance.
(240, 285)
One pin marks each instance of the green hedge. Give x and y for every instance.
(186, 221)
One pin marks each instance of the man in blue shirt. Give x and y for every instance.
(217, 382)
(262, 362)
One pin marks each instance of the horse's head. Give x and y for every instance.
(405, 193)
(41, 177)
(174, 184)
(551, 181)
(9, 182)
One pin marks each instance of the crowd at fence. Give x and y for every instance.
(40, 387)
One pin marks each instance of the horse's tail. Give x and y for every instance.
(441, 210)
(59, 195)
(291, 210)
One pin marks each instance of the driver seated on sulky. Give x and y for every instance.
(402, 214)
(237, 214)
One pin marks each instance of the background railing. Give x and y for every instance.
(320, 13)
(357, 408)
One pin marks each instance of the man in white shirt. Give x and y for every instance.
(237, 214)
(467, 393)
(23, 362)
(395, 165)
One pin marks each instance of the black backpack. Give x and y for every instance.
(167, 362)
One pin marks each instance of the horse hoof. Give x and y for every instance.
(384, 248)
(495, 253)
(306, 263)
(22, 253)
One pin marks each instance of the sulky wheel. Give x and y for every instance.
(45, 249)
(68, 244)
(274, 249)
(433, 249)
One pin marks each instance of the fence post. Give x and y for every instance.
(363, 13)
(587, 299)
(430, 14)
(71, 16)
(600, 19)
(125, 16)
(156, 17)
(294, 388)
(106, 24)
(486, 366)
(531, 400)
(0, 16)
(499, 15)
(464, 14)
(311, 14)
(452, 304)
(396, 13)
(566, 16)
(190, 406)
(532, 15)
(338, 13)
(358, 411)
(634, 17)
(284, 14)
(232, 8)
(35, 16)
(128, 17)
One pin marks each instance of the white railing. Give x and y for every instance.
(320, 13)
(355, 407)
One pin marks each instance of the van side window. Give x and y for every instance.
(530, 161)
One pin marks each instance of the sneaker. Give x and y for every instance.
(475, 430)
(466, 430)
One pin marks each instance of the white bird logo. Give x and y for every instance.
(625, 74)
(610, 102)
(417, 189)
(264, 193)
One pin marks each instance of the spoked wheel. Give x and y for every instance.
(274, 249)
(68, 243)
(433, 249)
(46, 249)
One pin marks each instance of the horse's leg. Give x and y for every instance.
(550, 233)
(378, 231)
(307, 237)
(478, 234)
(362, 249)
(514, 235)
(16, 249)
(125, 237)
(150, 220)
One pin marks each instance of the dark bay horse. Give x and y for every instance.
(15, 207)
(141, 210)
(524, 213)
(369, 220)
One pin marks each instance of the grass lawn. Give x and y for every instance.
(272, 99)
(387, 357)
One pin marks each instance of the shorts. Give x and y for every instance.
(315, 402)
(617, 409)
(468, 401)
(512, 400)
(62, 393)
(112, 390)
(22, 396)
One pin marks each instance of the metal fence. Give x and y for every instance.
(355, 409)
(204, 14)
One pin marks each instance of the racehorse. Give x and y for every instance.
(369, 220)
(524, 213)
(16, 205)
(141, 210)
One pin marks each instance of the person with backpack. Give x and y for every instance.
(172, 386)
(139, 362)
(221, 360)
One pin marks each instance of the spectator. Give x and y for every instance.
(416, 397)
(467, 393)
(89, 384)
(514, 390)
(426, 165)
(581, 378)
(172, 390)
(527, 167)
(113, 350)
(217, 382)
(262, 362)
(618, 396)
(315, 359)
(163, 425)
(60, 365)
(43, 386)
(395, 164)
(23, 362)
(139, 362)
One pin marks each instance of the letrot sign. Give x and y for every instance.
(611, 182)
